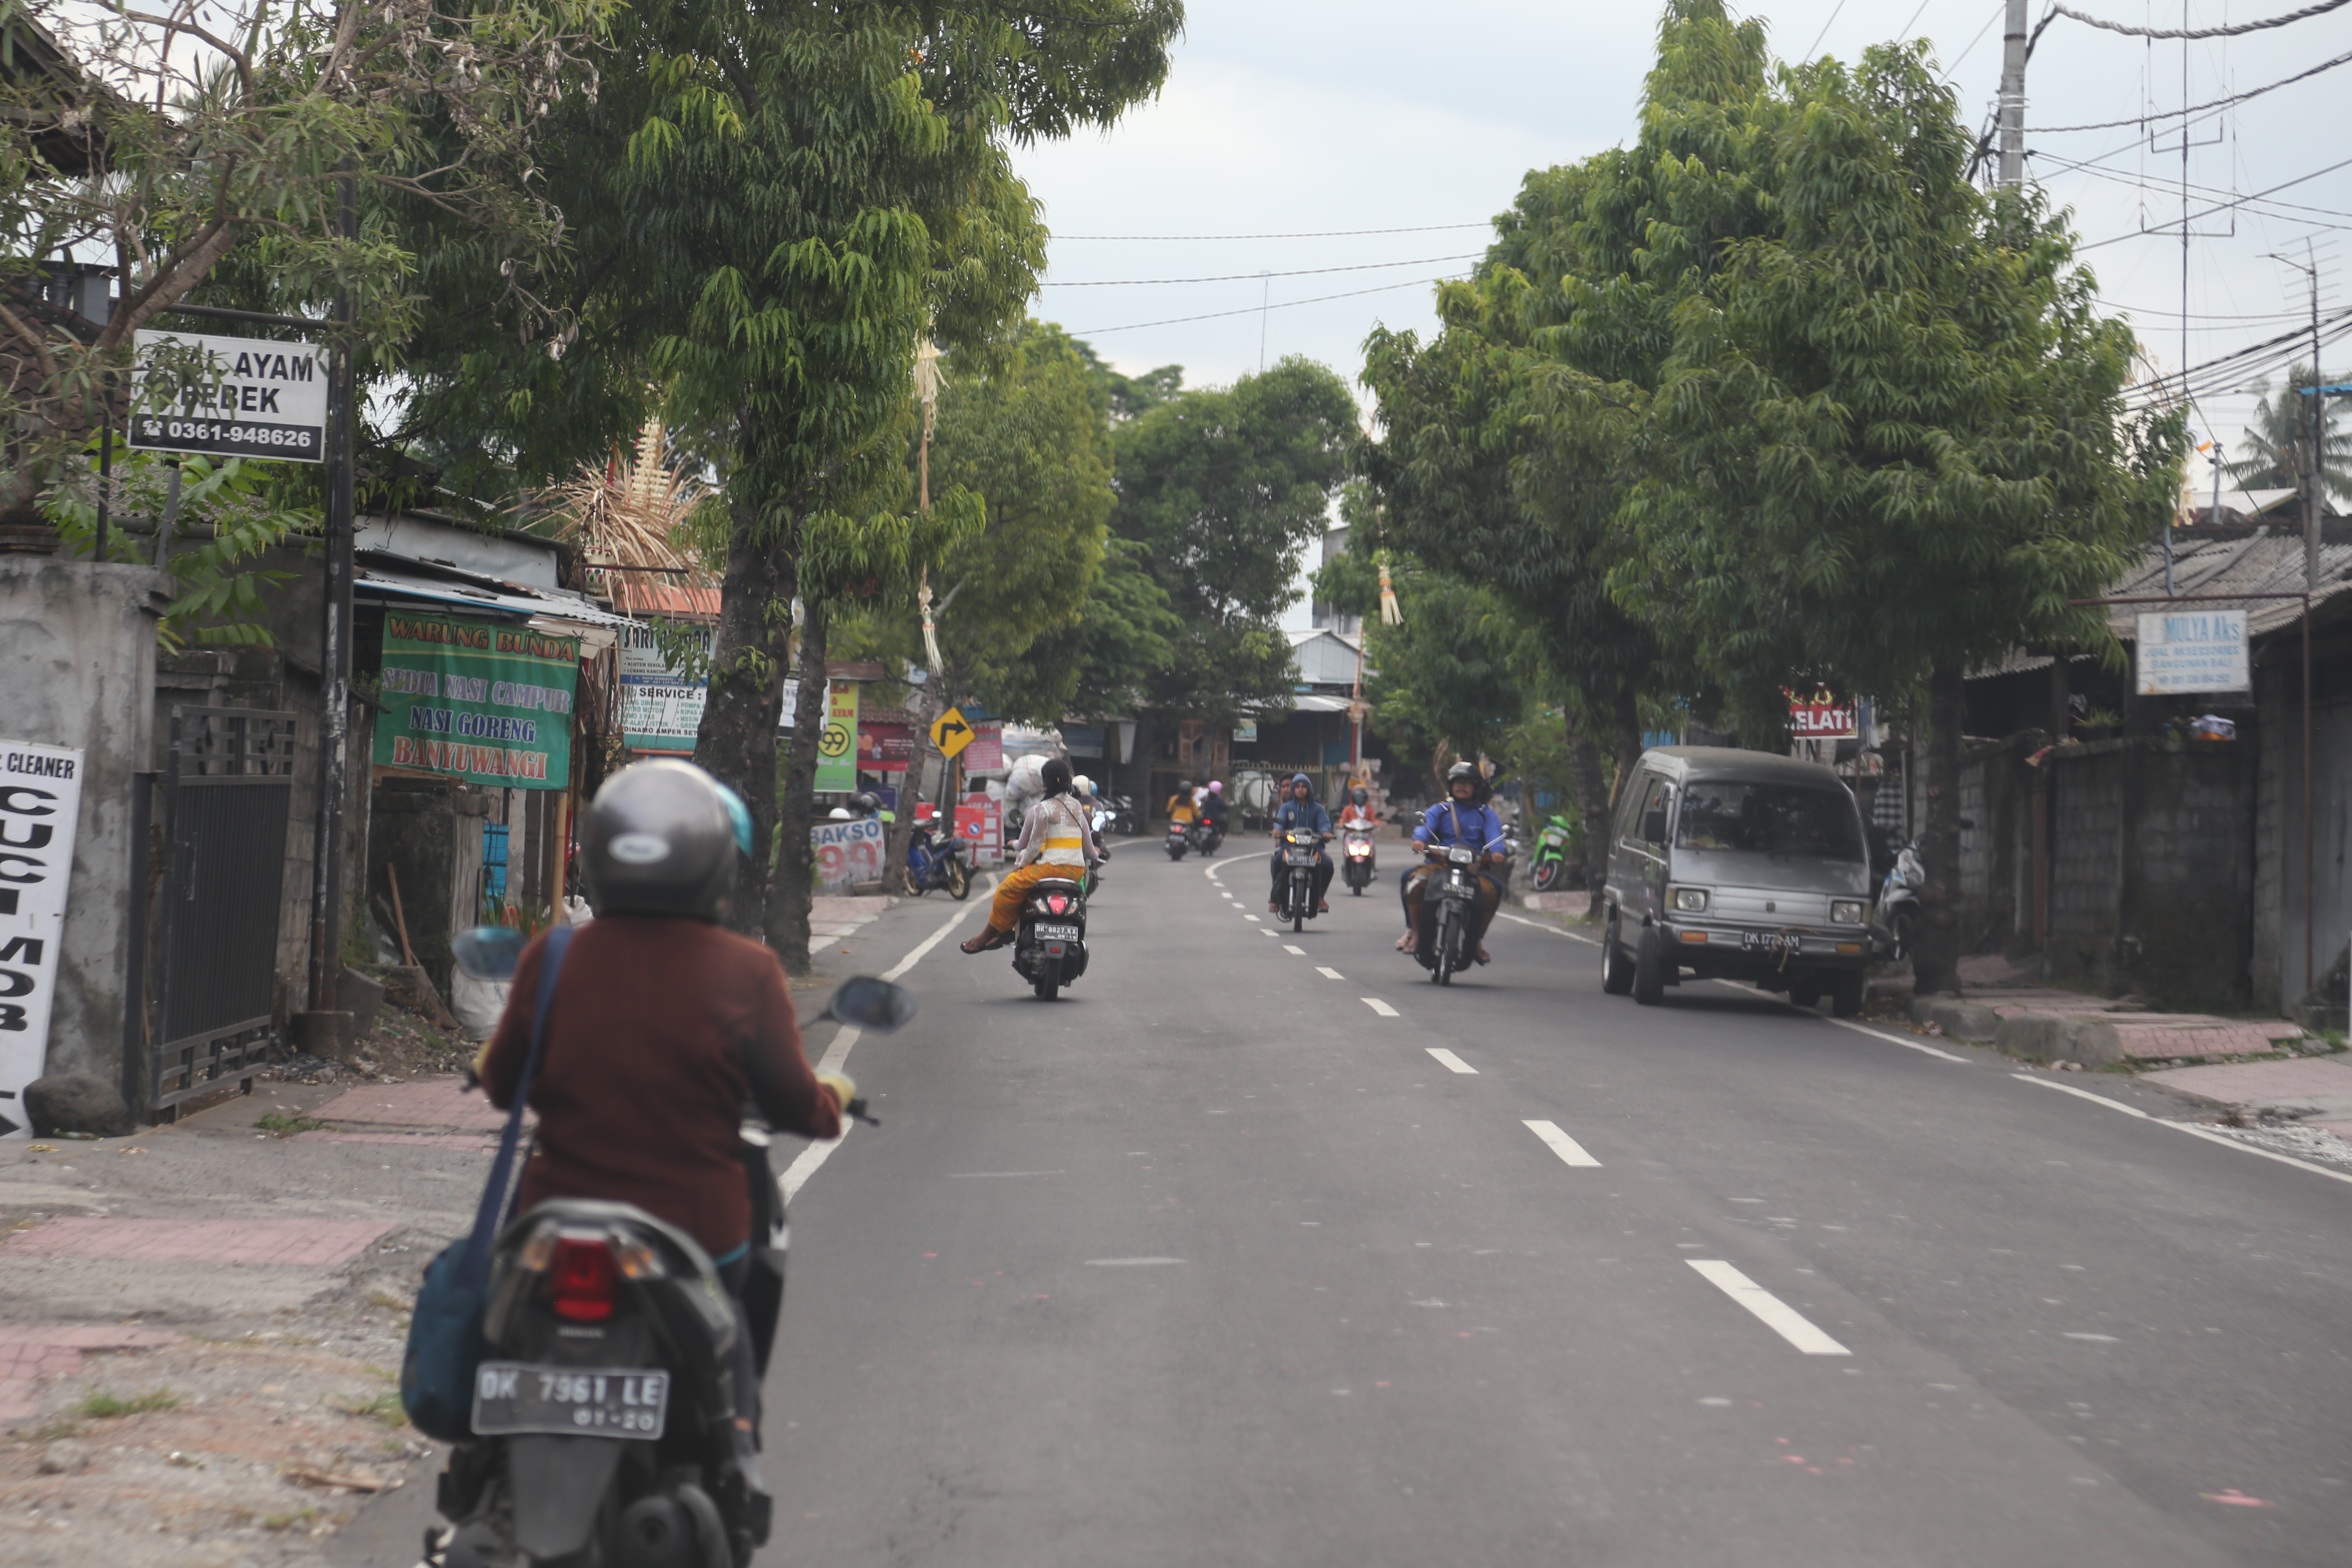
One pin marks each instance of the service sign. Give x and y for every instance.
(40, 803)
(485, 701)
(1821, 716)
(2183, 652)
(229, 397)
(661, 710)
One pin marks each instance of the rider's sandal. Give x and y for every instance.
(1486, 957)
(986, 940)
(1405, 943)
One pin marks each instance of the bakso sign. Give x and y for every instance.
(2183, 651)
(229, 397)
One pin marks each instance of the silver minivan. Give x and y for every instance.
(1737, 865)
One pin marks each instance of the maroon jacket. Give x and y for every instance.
(661, 1031)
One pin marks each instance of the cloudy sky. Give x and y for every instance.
(1289, 117)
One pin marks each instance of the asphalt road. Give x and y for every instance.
(1214, 1262)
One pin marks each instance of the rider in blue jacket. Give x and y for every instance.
(1465, 819)
(1301, 812)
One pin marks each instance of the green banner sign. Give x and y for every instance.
(485, 701)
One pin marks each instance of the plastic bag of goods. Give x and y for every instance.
(1026, 779)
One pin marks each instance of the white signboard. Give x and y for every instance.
(848, 853)
(259, 399)
(660, 711)
(785, 716)
(2186, 651)
(40, 802)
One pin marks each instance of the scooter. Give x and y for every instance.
(1180, 839)
(1300, 851)
(1123, 820)
(1898, 900)
(1049, 948)
(604, 1421)
(1207, 837)
(934, 864)
(1549, 871)
(1357, 863)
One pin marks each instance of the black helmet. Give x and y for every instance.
(658, 839)
(1056, 776)
(1466, 769)
(1361, 795)
(865, 802)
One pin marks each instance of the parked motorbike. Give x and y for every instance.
(603, 1420)
(1123, 820)
(1180, 839)
(1049, 949)
(1549, 870)
(1300, 850)
(1358, 862)
(1898, 900)
(1453, 888)
(934, 863)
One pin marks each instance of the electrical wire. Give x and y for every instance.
(2151, 182)
(1825, 29)
(1321, 234)
(1998, 11)
(2201, 379)
(1254, 277)
(1253, 310)
(2219, 103)
(2225, 31)
(2225, 206)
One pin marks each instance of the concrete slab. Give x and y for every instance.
(295, 1243)
(427, 1102)
(2305, 1081)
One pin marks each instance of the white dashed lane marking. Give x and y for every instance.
(1329, 974)
(1769, 1310)
(1567, 1148)
(1300, 951)
(1452, 1062)
(1377, 1006)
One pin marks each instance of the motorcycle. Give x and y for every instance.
(1208, 838)
(1453, 888)
(932, 864)
(1123, 820)
(1898, 900)
(1049, 949)
(604, 1421)
(1180, 839)
(1300, 851)
(1357, 863)
(1549, 872)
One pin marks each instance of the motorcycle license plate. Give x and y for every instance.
(512, 1397)
(1769, 941)
(1298, 856)
(1054, 933)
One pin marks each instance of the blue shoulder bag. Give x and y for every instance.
(444, 1334)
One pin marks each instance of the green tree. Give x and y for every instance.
(1222, 487)
(1890, 441)
(1448, 680)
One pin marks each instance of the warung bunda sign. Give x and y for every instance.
(485, 701)
(40, 803)
(2187, 652)
(231, 398)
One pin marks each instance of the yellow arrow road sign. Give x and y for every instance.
(949, 733)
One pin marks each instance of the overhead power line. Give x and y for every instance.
(1254, 277)
(2229, 30)
(2149, 183)
(2219, 103)
(1255, 310)
(2225, 206)
(2203, 379)
(1319, 234)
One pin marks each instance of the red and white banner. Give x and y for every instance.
(1821, 718)
(980, 822)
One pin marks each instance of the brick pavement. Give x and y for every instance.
(2303, 1081)
(466, 1141)
(293, 1243)
(427, 1102)
(32, 1353)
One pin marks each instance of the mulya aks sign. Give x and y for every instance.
(480, 700)
(2186, 651)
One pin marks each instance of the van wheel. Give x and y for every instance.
(1805, 992)
(1845, 996)
(1650, 968)
(1616, 969)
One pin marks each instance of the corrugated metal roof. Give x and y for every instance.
(2261, 563)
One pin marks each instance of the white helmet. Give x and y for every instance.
(1083, 788)
(839, 813)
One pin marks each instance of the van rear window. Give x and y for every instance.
(1768, 819)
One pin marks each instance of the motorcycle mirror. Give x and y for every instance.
(866, 1003)
(487, 952)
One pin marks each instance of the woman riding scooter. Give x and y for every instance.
(1056, 840)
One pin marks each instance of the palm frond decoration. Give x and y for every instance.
(630, 512)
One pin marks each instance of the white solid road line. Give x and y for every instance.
(1561, 1145)
(1769, 1310)
(1545, 925)
(1130, 1262)
(1329, 974)
(1377, 1006)
(2194, 1131)
(1453, 1063)
(1892, 1040)
(922, 948)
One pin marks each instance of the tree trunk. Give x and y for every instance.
(1147, 746)
(900, 837)
(737, 740)
(1627, 712)
(1591, 805)
(786, 918)
(1935, 957)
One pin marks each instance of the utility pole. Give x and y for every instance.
(2012, 95)
(335, 640)
(2308, 460)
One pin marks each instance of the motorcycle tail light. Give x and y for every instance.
(1058, 903)
(581, 1278)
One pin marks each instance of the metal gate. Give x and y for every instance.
(228, 786)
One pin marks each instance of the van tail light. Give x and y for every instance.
(582, 1278)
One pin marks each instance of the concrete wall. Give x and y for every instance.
(2152, 869)
(78, 668)
(1996, 854)
(430, 833)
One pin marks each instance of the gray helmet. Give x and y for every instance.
(659, 840)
